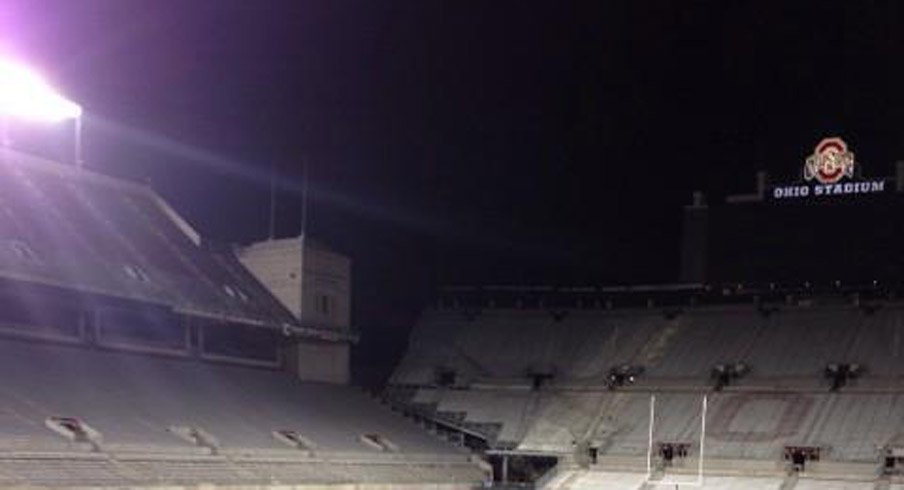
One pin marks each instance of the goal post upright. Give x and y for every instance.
(698, 482)
(650, 438)
(702, 438)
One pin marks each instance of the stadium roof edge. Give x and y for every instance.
(102, 277)
(71, 170)
(93, 175)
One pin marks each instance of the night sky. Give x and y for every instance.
(512, 142)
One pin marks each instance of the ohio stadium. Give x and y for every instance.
(489, 299)
(136, 353)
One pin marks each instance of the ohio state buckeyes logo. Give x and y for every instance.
(830, 162)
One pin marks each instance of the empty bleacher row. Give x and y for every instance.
(133, 402)
(613, 480)
(609, 480)
(849, 426)
(540, 381)
(581, 347)
(70, 471)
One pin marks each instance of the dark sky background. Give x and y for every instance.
(467, 142)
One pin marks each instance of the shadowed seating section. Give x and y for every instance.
(75, 229)
(581, 348)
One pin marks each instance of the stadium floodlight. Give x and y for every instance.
(24, 94)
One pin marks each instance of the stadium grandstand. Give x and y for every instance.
(136, 354)
(799, 388)
(742, 376)
(470, 142)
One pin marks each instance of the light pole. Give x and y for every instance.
(303, 237)
(77, 140)
(24, 94)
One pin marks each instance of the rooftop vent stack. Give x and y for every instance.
(762, 178)
(899, 176)
(699, 200)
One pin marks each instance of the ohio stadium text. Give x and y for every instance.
(805, 191)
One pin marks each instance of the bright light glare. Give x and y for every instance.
(25, 94)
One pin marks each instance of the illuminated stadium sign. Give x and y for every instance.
(830, 162)
(829, 171)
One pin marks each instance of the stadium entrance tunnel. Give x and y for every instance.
(538, 378)
(670, 451)
(512, 470)
(445, 377)
(799, 456)
(840, 374)
(75, 430)
(196, 436)
(893, 460)
(726, 373)
(379, 442)
(294, 439)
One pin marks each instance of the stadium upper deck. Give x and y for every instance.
(779, 343)
(116, 320)
(68, 228)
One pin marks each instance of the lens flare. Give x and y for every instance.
(25, 94)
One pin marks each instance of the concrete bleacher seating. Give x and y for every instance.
(99, 471)
(581, 347)
(505, 407)
(559, 420)
(807, 484)
(689, 354)
(826, 334)
(850, 426)
(132, 400)
(739, 483)
(509, 344)
(614, 480)
(608, 480)
(84, 230)
(61, 471)
(111, 304)
(611, 480)
(783, 401)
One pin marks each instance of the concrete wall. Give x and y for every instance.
(315, 360)
(327, 289)
(326, 285)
